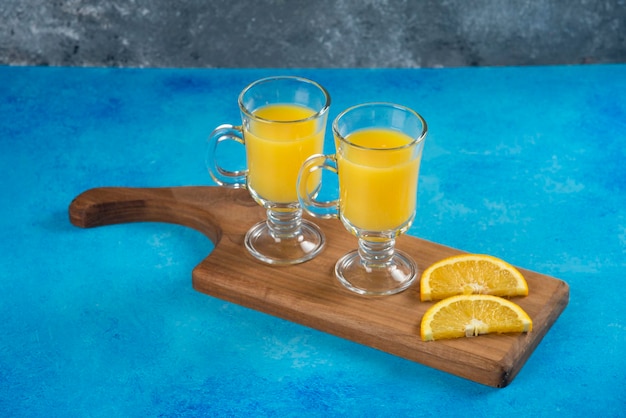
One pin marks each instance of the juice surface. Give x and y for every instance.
(378, 188)
(276, 148)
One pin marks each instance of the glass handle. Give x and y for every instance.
(309, 187)
(223, 177)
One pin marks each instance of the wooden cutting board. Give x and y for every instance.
(309, 294)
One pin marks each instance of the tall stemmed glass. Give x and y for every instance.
(378, 153)
(283, 123)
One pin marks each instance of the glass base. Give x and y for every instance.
(396, 275)
(295, 249)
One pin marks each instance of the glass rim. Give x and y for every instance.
(414, 141)
(314, 116)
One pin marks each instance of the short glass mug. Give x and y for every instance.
(378, 153)
(283, 123)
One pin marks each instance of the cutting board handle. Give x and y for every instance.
(211, 210)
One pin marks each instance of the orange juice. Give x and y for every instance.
(378, 187)
(277, 143)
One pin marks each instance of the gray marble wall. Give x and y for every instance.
(309, 33)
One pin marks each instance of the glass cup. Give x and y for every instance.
(378, 153)
(283, 123)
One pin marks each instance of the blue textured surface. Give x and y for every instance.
(527, 164)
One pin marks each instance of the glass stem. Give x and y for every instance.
(284, 222)
(376, 253)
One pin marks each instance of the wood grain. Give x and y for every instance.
(309, 294)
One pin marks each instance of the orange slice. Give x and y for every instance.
(472, 315)
(471, 274)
